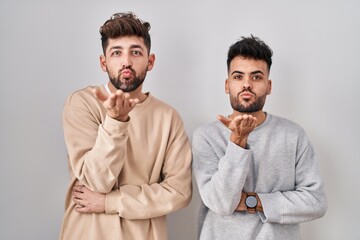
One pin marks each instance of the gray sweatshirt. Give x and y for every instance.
(279, 164)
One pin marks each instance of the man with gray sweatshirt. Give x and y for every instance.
(257, 174)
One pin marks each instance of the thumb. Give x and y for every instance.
(99, 94)
(224, 120)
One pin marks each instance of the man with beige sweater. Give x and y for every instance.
(128, 153)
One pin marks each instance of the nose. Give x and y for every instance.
(247, 83)
(126, 61)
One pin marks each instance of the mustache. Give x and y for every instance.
(246, 90)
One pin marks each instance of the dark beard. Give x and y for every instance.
(254, 107)
(136, 82)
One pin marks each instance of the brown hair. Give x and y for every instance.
(125, 24)
(252, 48)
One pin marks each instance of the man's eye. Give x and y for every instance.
(257, 77)
(116, 53)
(237, 77)
(136, 53)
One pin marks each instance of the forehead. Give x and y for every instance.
(246, 65)
(126, 42)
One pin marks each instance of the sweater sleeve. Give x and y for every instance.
(220, 177)
(95, 149)
(173, 192)
(307, 201)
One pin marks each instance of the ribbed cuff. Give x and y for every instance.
(272, 206)
(112, 202)
(114, 126)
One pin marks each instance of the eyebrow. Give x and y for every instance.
(131, 47)
(254, 72)
(136, 46)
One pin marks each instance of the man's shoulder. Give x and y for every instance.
(216, 124)
(209, 128)
(160, 105)
(80, 96)
(277, 122)
(81, 93)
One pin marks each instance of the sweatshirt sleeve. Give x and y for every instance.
(95, 148)
(173, 192)
(307, 201)
(220, 177)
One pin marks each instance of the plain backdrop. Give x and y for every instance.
(50, 48)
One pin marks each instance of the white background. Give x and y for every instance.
(50, 48)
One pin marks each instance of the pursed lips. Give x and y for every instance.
(126, 73)
(246, 94)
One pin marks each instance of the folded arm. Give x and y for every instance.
(220, 179)
(306, 202)
(172, 192)
(96, 143)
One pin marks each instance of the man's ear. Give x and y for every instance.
(268, 92)
(227, 91)
(103, 63)
(151, 62)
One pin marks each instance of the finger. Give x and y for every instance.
(245, 117)
(111, 101)
(77, 194)
(78, 188)
(99, 94)
(224, 120)
(126, 100)
(245, 120)
(133, 102)
(251, 120)
(237, 120)
(120, 96)
(78, 201)
(81, 209)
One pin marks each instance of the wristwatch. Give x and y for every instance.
(251, 202)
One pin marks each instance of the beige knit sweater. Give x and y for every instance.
(143, 166)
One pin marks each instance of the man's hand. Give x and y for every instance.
(88, 201)
(118, 104)
(241, 126)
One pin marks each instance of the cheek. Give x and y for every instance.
(263, 92)
(113, 66)
(141, 67)
(112, 72)
(234, 87)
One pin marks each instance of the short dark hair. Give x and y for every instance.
(125, 24)
(252, 48)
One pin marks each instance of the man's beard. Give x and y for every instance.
(120, 83)
(254, 107)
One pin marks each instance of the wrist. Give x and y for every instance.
(249, 202)
(120, 118)
(124, 118)
(241, 142)
(242, 207)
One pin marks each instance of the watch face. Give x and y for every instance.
(251, 201)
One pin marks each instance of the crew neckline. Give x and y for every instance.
(106, 86)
